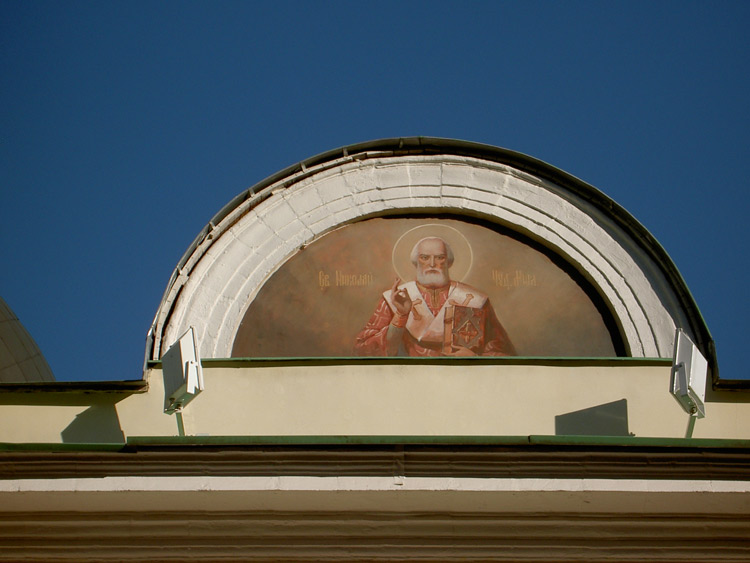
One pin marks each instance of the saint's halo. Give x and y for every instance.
(463, 255)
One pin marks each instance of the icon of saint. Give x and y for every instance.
(433, 315)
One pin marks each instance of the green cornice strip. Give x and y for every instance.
(481, 360)
(593, 442)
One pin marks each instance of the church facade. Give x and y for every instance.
(404, 349)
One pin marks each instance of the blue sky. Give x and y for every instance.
(127, 125)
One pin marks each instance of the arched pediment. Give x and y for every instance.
(261, 230)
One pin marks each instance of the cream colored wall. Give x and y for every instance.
(371, 399)
(35, 423)
(512, 400)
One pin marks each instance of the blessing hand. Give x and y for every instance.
(401, 299)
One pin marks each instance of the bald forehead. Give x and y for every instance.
(432, 246)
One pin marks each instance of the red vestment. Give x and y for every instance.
(372, 340)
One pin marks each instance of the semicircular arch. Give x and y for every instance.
(262, 228)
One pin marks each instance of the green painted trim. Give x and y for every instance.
(639, 441)
(324, 440)
(135, 442)
(482, 360)
(574, 441)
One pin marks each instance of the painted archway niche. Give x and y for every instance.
(516, 298)
(567, 271)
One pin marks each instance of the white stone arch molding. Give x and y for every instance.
(261, 228)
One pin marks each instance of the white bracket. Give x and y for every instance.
(183, 374)
(688, 381)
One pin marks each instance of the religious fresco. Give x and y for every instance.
(425, 287)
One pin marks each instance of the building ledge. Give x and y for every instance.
(546, 457)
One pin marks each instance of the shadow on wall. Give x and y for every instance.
(610, 419)
(98, 424)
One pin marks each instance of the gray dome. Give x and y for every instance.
(21, 361)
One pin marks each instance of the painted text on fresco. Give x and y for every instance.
(344, 279)
(518, 278)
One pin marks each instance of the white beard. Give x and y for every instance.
(433, 280)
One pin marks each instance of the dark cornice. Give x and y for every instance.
(551, 457)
